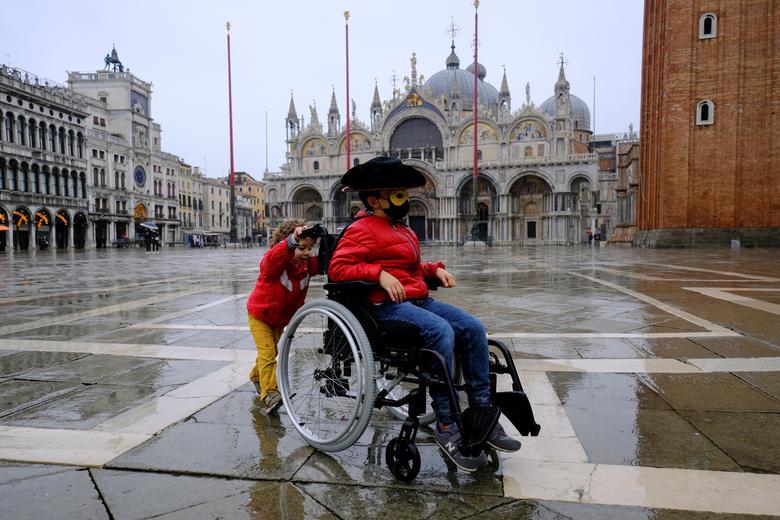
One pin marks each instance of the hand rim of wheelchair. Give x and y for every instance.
(349, 430)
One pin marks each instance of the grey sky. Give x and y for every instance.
(180, 46)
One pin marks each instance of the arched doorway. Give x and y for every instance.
(4, 221)
(306, 203)
(346, 204)
(43, 223)
(79, 231)
(477, 224)
(61, 225)
(22, 222)
(140, 214)
(526, 200)
(418, 214)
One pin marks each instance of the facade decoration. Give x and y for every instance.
(536, 173)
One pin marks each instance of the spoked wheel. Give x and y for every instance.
(325, 373)
(403, 459)
(402, 412)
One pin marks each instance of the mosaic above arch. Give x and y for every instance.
(315, 147)
(528, 130)
(357, 143)
(487, 134)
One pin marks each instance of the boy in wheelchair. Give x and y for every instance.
(379, 248)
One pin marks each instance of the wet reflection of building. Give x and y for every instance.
(536, 175)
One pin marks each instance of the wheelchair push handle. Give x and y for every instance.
(314, 232)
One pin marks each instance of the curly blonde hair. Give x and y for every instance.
(284, 230)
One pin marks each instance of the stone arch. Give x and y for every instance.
(80, 224)
(22, 221)
(487, 194)
(306, 203)
(416, 136)
(527, 195)
(525, 173)
(5, 220)
(345, 203)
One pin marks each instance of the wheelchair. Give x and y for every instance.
(337, 363)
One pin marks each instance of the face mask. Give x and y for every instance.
(399, 204)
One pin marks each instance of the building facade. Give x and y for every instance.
(535, 171)
(254, 190)
(710, 133)
(44, 195)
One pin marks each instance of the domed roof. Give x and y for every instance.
(481, 73)
(580, 112)
(441, 83)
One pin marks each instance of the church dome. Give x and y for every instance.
(441, 83)
(580, 113)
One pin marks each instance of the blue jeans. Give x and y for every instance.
(446, 328)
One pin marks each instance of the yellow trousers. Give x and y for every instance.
(264, 371)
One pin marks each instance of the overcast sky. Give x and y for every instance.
(298, 45)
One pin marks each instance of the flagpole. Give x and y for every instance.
(476, 134)
(233, 234)
(346, 33)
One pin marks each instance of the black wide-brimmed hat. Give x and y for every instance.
(381, 173)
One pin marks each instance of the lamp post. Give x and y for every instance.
(233, 237)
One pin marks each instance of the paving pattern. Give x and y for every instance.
(654, 374)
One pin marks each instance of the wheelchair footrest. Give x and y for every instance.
(478, 424)
(517, 408)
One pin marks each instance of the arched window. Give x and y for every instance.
(708, 26)
(42, 135)
(35, 177)
(10, 125)
(103, 177)
(32, 126)
(95, 178)
(355, 161)
(80, 145)
(528, 152)
(62, 140)
(2, 119)
(12, 175)
(705, 112)
(116, 179)
(83, 180)
(75, 179)
(71, 139)
(46, 180)
(23, 178)
(21, 128)
(316, 166)
(3, 182)
(53, 138)
(64, 174)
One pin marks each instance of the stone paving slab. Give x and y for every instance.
(637, 382)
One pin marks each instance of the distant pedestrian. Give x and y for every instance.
(156, 243)
(590, 237)
(280, 290)
(148, 241)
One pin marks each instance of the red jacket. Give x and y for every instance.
(281, 286)
(373, 244)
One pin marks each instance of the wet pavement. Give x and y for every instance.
(654, 374)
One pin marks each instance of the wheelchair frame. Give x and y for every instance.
(329, 386)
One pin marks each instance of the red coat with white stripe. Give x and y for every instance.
(281, 286)
(373, 244)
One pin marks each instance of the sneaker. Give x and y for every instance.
(449, 441)
(271, 403)
(500, 441)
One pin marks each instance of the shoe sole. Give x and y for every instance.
(503, 450)
(467, 470)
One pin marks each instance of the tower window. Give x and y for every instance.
(316, 166)
(705, 112)
(708, 26)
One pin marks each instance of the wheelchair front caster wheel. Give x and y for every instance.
(403, 459)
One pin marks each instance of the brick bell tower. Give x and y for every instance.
(710, 149)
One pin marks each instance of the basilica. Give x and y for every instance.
(537, 182)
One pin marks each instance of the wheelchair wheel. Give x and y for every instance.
(402, 412)
(403, 459)
(325, 373)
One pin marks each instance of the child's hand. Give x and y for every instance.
(297, 233)
(394, 288)
(446, 277)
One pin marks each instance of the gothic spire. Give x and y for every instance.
(334, 108)
(291, 114)
(504, 86)
(376, 102)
